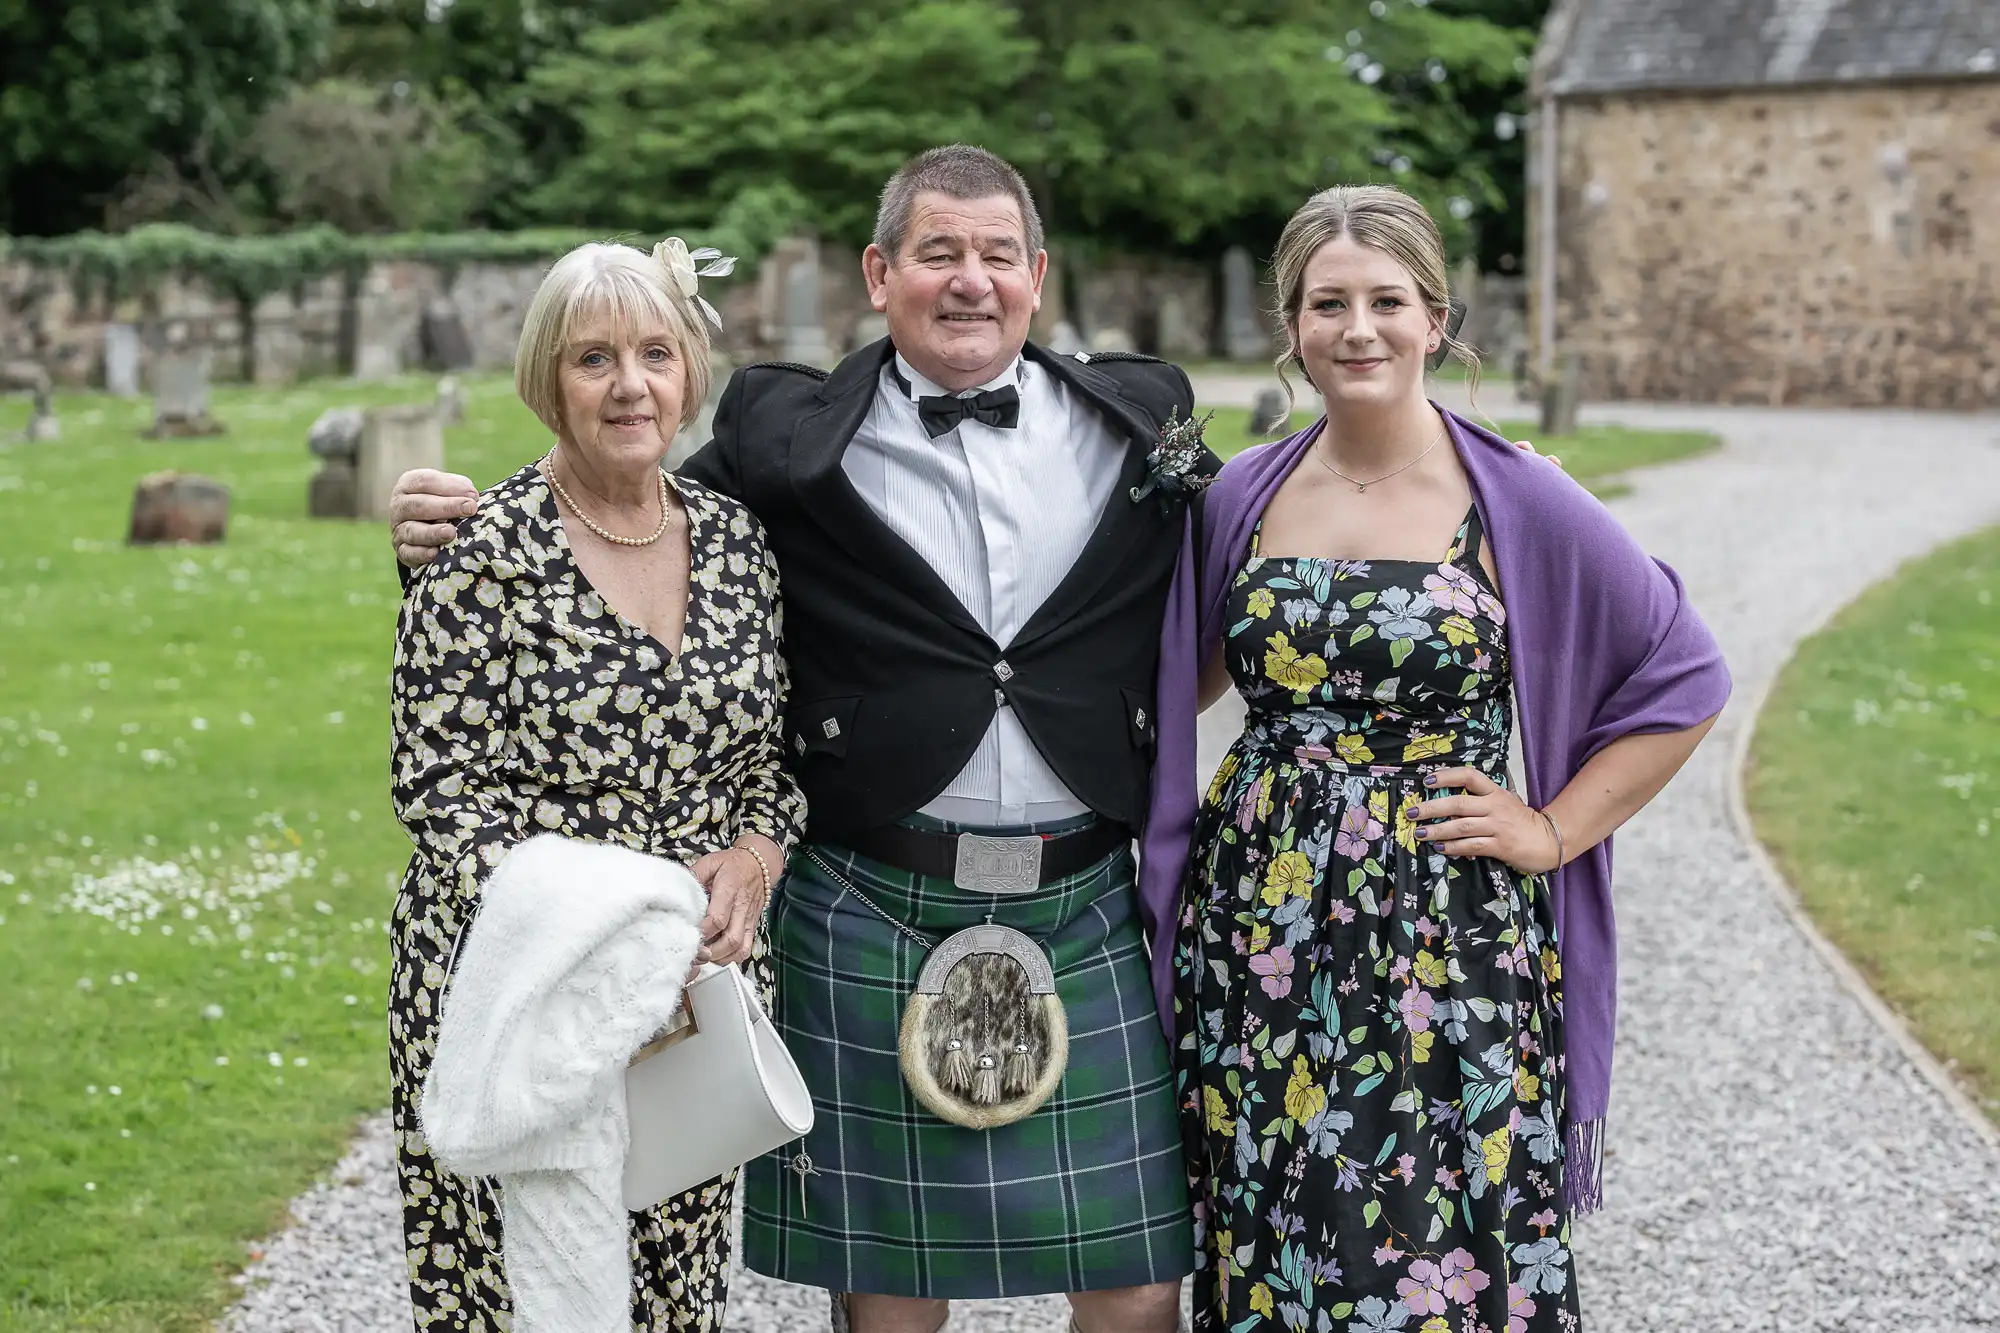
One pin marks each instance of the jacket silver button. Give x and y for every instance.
(1002, 670)
(1139, 718)
(999, 698)
(830, 727)
(799, 744)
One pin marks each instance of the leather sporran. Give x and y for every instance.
(984, 1039)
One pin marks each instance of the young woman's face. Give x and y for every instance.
(1363, 330)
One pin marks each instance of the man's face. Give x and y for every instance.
(961, 292)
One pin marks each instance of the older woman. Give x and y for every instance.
(1395, 1015)
(597, 655)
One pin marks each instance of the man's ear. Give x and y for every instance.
(875, 272)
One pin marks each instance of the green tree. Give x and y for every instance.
(94, 93)
(1178, 124)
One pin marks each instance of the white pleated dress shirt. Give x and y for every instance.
(1001, 515)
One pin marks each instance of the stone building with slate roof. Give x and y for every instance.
(1769, 201)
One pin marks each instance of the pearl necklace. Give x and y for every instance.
(666, 514)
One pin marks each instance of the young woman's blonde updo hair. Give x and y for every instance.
(637, 292)
(1380, 217)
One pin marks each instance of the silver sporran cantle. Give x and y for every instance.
(984, 1039)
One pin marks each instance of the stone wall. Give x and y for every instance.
(374, 328)
(1832, 246)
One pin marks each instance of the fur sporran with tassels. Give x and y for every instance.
(984, 1039)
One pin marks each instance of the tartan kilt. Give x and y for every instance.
(1087, 1193)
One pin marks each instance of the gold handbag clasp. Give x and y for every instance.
(678, 1029)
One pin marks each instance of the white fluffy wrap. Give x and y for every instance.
(575, 959)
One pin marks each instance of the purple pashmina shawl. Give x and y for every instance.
(1603, 642)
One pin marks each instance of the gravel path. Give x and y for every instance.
(1776, 1161)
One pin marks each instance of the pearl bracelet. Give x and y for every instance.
(764, 868)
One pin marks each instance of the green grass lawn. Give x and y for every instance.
(1594, 455)
(1875, 780)
(197, 857)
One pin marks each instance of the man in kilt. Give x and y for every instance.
(975, 552)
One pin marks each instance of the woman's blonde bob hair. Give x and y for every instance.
(1380, 217)
(630, 288)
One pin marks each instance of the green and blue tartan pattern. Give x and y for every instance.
(1088, 1193)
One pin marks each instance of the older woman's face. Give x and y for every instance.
(621, 395)
(1363, 329)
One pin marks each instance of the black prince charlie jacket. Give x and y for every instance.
(893, 682)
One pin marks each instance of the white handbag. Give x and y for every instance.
(710, 1093)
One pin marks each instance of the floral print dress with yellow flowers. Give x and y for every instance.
(1370, 1065)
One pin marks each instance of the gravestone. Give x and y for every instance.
(1561, 395)
(451, 401)
(1243, 335)
(805, 336)
(178, 507)
(1064, 340)
(1112, 339)
(34, 378)
(1270, 413)
(441, 334)
(394, 440)
(701, 430)
(180, 395)
(335, 439)
(121, 360)
(870, 328)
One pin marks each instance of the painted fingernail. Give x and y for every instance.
(1430, 779)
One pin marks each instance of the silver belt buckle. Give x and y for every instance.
(998, 865)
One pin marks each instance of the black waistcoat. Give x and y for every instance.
(893, 682)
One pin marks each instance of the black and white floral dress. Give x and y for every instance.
(523, 703)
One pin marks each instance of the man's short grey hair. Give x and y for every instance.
(961, 171)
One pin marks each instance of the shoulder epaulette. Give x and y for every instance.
(1089, 357)
(800, 366)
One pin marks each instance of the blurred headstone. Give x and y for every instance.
(335, 439)
(701, 430)
(1561, 395)
(1064, 340)
(337, 433)
(1243, 335)
(331, 492)
(394, 440)
(180, 395)
(442, 335)
(33, 377)
(121, 360)
(805, 336)
(870, 328)
(178, 507)
(451, 401)
(1270, 413)
(1112, 339)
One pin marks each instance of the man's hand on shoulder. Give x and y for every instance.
(423, 513)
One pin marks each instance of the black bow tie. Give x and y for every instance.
(999, 407)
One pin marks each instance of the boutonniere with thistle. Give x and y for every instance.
(1180, 463)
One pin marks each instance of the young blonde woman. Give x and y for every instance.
(1393, 1013)
(596, 655)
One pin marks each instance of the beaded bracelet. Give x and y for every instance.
(764, 868)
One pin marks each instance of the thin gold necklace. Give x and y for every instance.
(666, 514)
(1356, 482)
